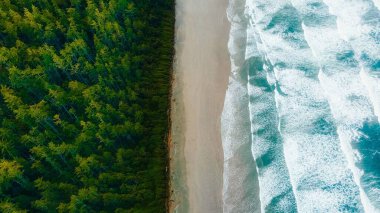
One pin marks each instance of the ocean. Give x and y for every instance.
(300, 125)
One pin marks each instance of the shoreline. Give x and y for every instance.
(200, 79)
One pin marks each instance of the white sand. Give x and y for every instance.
(201, 76)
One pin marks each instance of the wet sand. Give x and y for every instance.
(201, 72)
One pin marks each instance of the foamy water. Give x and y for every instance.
(309, 72)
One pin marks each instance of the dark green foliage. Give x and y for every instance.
(84, 88)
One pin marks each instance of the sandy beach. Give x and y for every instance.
(201, 71)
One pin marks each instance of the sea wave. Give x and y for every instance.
(309, 73)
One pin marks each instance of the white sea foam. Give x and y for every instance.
(240, 185)
(313, 94)
(373, 85)
(317, 167)
(377, 3)
(237, 42)
(267, 146)
(340, 78)
(240, 188)
(347, 95)
(359, 23)
(276, 194)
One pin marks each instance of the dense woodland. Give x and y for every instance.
(84, 88)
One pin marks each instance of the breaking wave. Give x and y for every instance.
(304, 99)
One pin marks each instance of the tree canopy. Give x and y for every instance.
(84, 95)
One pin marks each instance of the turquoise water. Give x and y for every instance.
(304, 94)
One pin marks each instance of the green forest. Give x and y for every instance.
(84, 99)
